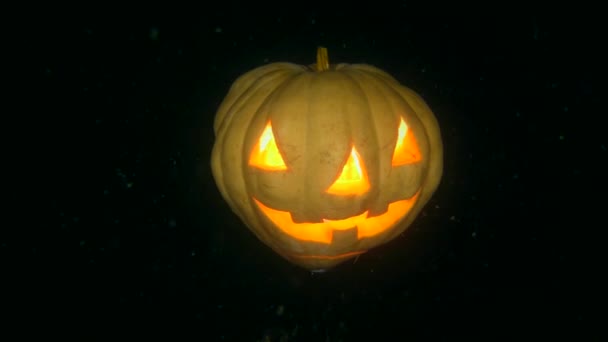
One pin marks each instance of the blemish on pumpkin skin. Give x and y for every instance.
(325, 158)
(268, 186)
(293, 153)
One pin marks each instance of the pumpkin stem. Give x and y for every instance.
(322, 59)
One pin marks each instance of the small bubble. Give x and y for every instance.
(153, 35)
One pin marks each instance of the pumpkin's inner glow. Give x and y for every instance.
(323, 232)
(406, 149)
(353, 178)
(265, 154)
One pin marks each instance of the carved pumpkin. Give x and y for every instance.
(324, 162)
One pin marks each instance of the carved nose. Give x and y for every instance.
(353, 178)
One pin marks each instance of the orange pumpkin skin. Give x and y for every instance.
(325, 163)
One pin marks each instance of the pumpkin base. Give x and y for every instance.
(321, 263)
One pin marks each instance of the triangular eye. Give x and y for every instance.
(353, 178)
(265, 154)
(406, 149)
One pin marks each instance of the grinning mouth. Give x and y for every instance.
(323, 232)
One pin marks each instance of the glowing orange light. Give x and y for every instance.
(265, 154)
(406, 149)
(323, 232)
(353, 178)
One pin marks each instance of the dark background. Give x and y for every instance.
(131, 236)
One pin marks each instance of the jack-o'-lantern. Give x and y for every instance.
(324, 162)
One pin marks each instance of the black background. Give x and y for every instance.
(131, 236)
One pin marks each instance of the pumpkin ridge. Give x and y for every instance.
(242, 98)
(393, 88)
(266, 104)
(369, 113)
(383, 86)
(237, 90)
(302, 204)
(227, 131)
(397, 92)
